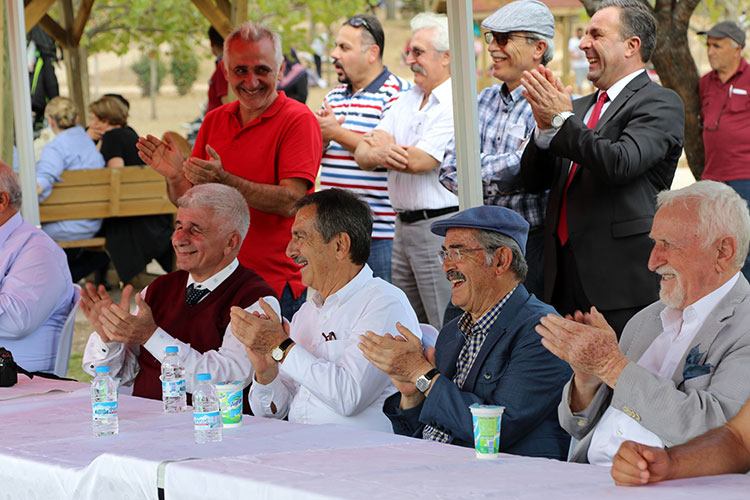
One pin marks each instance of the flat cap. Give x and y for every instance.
(522, 15)
(489, 218)
(727, 29)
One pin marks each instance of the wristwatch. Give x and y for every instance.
(559, 119)
(424, 381)
(279, 351)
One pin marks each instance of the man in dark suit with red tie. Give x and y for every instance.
(604, 157)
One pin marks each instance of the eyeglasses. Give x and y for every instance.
(502, 38)
(417, 53)
(358, 22)
(454, 254)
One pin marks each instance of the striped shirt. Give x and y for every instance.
(363, 111)
(505, 124)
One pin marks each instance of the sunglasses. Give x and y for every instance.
(358, 22)
(502, 38)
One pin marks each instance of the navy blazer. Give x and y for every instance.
(512, 369)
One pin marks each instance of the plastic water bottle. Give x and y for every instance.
(173, 382)
(104, 403)
(206, 416)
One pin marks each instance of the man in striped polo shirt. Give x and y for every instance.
(350, 110)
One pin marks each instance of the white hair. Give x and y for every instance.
(251, 32)
(10, 184)
(438, 23)
(230, 208)
(721, 212)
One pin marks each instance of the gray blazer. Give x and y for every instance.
(702, 394)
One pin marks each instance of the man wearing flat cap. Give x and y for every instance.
(490, 355)
(520, 37)
(725, 110)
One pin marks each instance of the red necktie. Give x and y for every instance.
(562, 221)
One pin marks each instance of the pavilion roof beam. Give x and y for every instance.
(84, 12)
(55, 30)
(34, 11)
(215, 16)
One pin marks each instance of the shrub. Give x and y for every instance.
(184, 69)
(142, 69)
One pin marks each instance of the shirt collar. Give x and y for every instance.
(485, 322)
(374, 85)
(614, 90)
(740, 69)
(698, 310)
(345, 292)
(9, 226)
(217, 279)
(233, 109)
(443, 92)
(511, 96)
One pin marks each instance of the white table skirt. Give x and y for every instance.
(48, 451)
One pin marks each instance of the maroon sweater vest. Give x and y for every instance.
(202, 326)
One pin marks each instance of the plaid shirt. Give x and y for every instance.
(474, 333)
(505, 125)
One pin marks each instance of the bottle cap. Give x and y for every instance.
(102, 369)
(171, 348)
(203, 376)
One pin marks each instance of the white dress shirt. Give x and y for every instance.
(661, 358)
(324, 377)
(229, 362)
(429, 129)
(543, 138)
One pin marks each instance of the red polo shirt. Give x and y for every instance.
(217, 87)
(728, 143)
(284, 142)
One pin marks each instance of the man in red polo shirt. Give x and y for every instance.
(725, 113)
(265, 145)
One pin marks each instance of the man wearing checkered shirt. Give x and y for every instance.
(490, 355)
(520, 37)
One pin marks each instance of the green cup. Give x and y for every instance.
(230, 403)
(487, 420)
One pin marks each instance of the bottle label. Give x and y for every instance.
(206, 421)
(173, 388)
(105, 410)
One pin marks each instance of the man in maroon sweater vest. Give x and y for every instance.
(188, 308)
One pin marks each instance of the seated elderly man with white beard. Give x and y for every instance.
(682, 366)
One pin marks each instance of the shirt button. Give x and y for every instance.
(582, 422)
(619, 432)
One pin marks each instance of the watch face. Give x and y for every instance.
(557, 121)
(277, 354)
(423, 383)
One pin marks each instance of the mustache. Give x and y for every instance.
(453, 274)
(337, 63)
(418, 68)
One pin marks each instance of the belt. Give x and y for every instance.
(417, 215)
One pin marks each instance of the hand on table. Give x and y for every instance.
(636, 464)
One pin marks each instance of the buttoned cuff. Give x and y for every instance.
(158, 343)
(262, 395)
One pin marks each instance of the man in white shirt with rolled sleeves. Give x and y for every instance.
(410, 142)
(188, 308)
(311, 370)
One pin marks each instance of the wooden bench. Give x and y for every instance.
(105, 192)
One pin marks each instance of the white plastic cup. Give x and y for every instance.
(230, 403)
(487, 420)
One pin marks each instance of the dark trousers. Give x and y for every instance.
(568, 295)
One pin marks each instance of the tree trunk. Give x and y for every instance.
(676, 68)
(6, 93)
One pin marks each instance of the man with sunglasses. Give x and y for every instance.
(603, 157)
(410, 142)
(491, 355)
(520, 38)
(350, 110)
(725, 110)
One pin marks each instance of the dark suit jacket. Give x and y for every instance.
(512, 369)
(623, 163)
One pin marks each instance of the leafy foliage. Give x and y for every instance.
(142, 69)
(184, 69)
